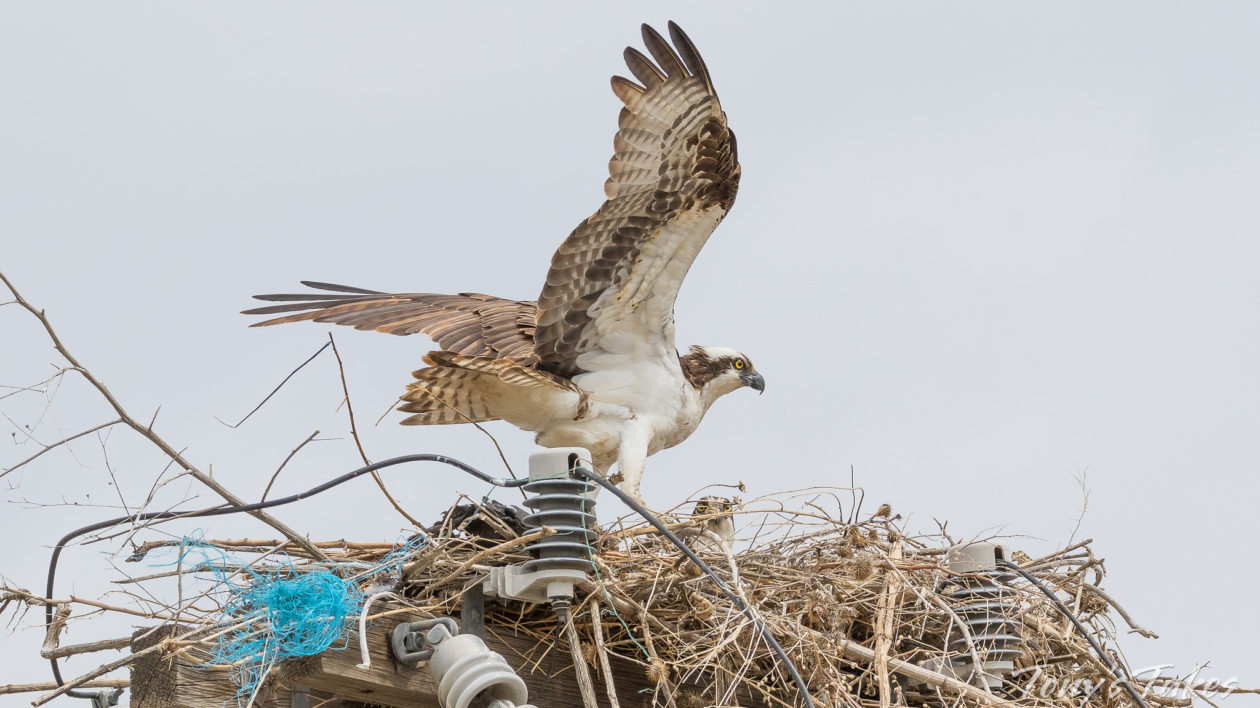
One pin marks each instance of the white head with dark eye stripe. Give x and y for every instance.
(717, 371)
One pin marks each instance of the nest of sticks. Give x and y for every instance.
(861, 607)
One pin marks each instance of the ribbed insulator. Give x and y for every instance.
(561, 503)
(468, 674)
(989, 614)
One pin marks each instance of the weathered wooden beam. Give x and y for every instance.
(544, 665)
(184, 681)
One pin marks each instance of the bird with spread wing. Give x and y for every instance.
(592, 363)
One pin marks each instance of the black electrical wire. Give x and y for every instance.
(236, 509)
(691, 555)
(1106, 658)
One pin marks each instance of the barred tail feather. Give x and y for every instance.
(471, 389)
(445, 395)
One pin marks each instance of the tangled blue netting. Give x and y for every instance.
(277, 611)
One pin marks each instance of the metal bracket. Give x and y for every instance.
(472, 611)
(408, 644)
(106, 699)
(512, 582)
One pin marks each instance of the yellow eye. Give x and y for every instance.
(739, 364)
(726, 507)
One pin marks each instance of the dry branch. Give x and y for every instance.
(148, 433)
(48, 686)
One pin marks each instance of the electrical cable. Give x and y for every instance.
(726, 590)
(1093, 643)
(228, 509)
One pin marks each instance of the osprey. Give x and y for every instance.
(592, 363)
(716, 533)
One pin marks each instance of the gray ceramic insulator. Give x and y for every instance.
(465, 670)
(561, 502)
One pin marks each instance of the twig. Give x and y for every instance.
(585, 686)
(71, 650)
(32, 598)
(345, 389)
(286, 461)
(274, 391)
(354, 433)
(48, 686)
(59, 443)
(1133, 626)
(1062, 551)
(119, 663)
(506, 545)
(884, 626)
(40, 387)
(153, 437)
(858, 653)
(52, 635)
(649, 645)
(605, 664)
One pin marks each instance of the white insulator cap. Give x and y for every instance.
(976, 557)
(556, 462)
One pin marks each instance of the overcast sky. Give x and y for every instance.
(980, 250)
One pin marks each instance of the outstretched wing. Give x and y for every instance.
(469, 324)
(673, 177)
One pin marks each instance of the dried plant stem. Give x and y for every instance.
(279, 469)
(32, 598)
(87, 647)
(59, 443)
(856, 652)
(886, 608)
(147, 432)
(354, 433)
(52, 635)
(48, 686)
(494, 550)
(585, 685)
(111, 666)
(605, 664)
(663, 682)
(1124, 614)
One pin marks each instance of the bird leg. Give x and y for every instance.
(632, 456)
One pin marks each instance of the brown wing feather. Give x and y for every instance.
(674, 156)
(470, 324)
(453, 390)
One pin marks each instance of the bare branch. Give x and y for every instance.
(33, 599)
(153, 437)
(274, 391)
(286, 461)
(355, 434)
(101, 645)
(48, 686)
(59, 443)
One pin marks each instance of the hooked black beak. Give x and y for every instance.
(753, 380)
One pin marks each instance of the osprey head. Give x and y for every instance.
(716, 513)
(717, 371)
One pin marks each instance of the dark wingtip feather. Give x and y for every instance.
(690, 54)
(298, 307)
(663, 53)
(339, 288)
(643, 70)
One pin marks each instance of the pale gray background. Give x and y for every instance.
(980, 249)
